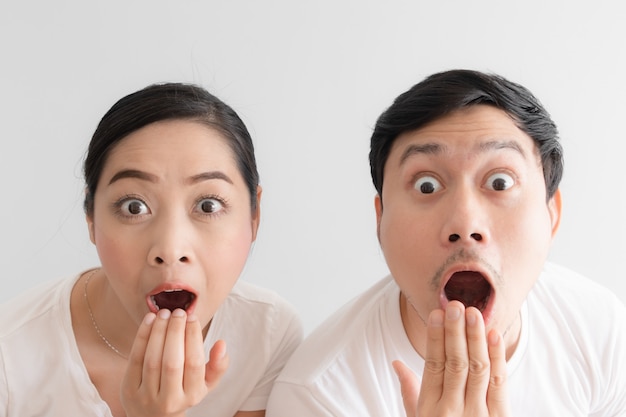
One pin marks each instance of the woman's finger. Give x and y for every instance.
(134, 372)
(151, 376)
(217, 365)
(194, 356)
(173, 360)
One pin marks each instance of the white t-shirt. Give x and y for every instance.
(570, 360)
(42, 373)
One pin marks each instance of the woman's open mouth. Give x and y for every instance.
(469, 287)
(171, 299)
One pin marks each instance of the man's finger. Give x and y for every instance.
(457, 360)
(497, 398)
(409, 387)
(479, 366)
(435, 361)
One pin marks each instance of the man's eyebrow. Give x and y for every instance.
(425, 148)
(435, 148)
(133, 173)
(501, 144)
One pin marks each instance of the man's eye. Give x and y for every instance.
(500, 181)
(210, 205)
(427, 185)
(134, 207)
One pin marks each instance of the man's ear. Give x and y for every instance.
(256, 215)
(554, 207)
(378, 205)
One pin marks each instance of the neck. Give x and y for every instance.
(111, 322)
(414, 324)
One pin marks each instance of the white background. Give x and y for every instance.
(309, 79)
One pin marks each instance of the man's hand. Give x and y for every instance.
(167, 373)
(464, 372)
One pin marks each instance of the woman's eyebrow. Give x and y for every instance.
(210, 175)
(145, 176)
(133, 173)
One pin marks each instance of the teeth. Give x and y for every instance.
(154, 303)
(174, 290)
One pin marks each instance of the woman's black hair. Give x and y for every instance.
(170, 101)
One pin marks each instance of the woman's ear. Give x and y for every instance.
(256, 215)
(378, 206)
(89, 217)
(91, 228)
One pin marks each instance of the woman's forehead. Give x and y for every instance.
(178, 146)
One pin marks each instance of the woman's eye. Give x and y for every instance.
(210, 205)
(500, 181)
(134, 207)
(427, 185)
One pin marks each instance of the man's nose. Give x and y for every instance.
(454, 237)
(466, 218)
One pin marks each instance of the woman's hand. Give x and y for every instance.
(464, 372)
(167, 373)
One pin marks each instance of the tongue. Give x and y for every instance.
(468, 287)
(172, 300)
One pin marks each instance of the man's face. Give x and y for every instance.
(464, 216)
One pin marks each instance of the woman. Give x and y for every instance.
(172, 206)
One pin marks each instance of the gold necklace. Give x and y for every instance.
(93, 320)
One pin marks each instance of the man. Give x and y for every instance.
(472, 320)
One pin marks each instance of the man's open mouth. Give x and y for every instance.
(469, 287)
(172, 299)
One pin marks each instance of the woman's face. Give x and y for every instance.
(172, 219)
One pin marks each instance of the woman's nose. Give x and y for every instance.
(162, 260)
(170, 242)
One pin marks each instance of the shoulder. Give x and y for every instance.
(248, 297)
(35, 305)
(344, 366)
(251, 311)
(561, 288)
(577, 310)
(336, 335)
(581, 326)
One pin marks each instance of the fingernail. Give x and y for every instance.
(471, 319)
(436, 318)
(453, 312)
(178, 313)
(493, 337)
(164, 313)
(149, 319)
